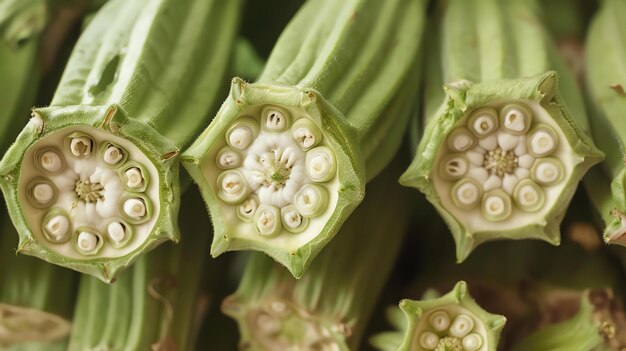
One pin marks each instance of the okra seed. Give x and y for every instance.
(515, 120)
(112, 155)
(466, 193)
(116, 231)
(461, 326)
(87, 241)
(547, 171)
(247, 209)
(529, 196)
(311, 200)
(228, 159)
(429, 340)
(439, 320)
(460, 139)
(292, 219)
(542, 143)
(496, 205)
(456, 167)
(320, 164)
(275, 120)
(472, 342)
(304, 137)
(81, 146)
(232, 186)
(268, 220)
(51, 161)
(43, 193)
(58, 227)
(135, 208)
(241, 137)
(134, 179)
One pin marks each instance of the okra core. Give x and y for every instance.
(502, 164)
(87, 193)
(276, 173)
(450, 328)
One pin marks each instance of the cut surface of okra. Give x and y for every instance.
(285, 160)
(500, 154)
(92, 181)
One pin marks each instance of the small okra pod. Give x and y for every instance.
(329, 307)
(606, 82)
(92, 181)
(500, 155)
(451, 322)
(326, 115)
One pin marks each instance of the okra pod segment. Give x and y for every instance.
(92, 182)
(451, 322)
(606, 80)
(502, 156)
(325, 116)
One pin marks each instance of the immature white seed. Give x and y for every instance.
(542, 142)
(116, 231)
(311, 200)
(466, 193)
(268, 220)
(528, 196)
(58, 228)
(135, 208)
(439, 320)
(429, 340)
(304, 137)
(112, 155)
(472, 342)
(267, 324)
(233, 187)
(320, 164)
(275, 120)
(43, 193)
(87, 241)
(228, 159)
(547, 171)
(241, 137)
(483, 122)
(461, 326)
(515, 119)
(246, 210)
(134, 178)
(81, 146)
(454, 167)
(496, 205)
(51, 161)
(460, 139)
(292, 219)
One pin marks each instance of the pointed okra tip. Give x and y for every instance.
(279, 172)
(502, 166)
(278, 323)
(453, 322)
(86, 195)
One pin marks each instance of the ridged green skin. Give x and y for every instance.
(404, 338)
(588, 330)
(21, 19)
(341, 287)
(148, 72)
(127, 316)
(487, 51)
(354, 68)
(605, 73)
(29, 283)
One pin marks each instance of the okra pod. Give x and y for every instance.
(606, 79)
(92, 181)
(286, 159)
(328, 308)
(500, 154)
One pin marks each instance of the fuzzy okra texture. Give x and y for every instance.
(286, 159)
(606, 84)
(92, 181)
(328, 308)
(501, 155)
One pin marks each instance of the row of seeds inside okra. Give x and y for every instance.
(495, 156)
(57, 225)
(274, 170)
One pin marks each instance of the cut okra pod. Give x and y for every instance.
(451, 322)
(285, 161)
(500, 154)
(328, 308)
(92, 181)
(606, 81)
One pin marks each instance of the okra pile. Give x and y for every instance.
(313, 175)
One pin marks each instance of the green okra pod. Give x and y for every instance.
(329, 307)
(501, 155)
(92, 181)
(286, 159)
(606, 81)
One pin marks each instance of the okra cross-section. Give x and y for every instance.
(275, 175)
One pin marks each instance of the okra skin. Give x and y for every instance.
(346, 105)
(450, 322)
(137, 89)
(496, 66)
(328, 308)
(606, 79)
